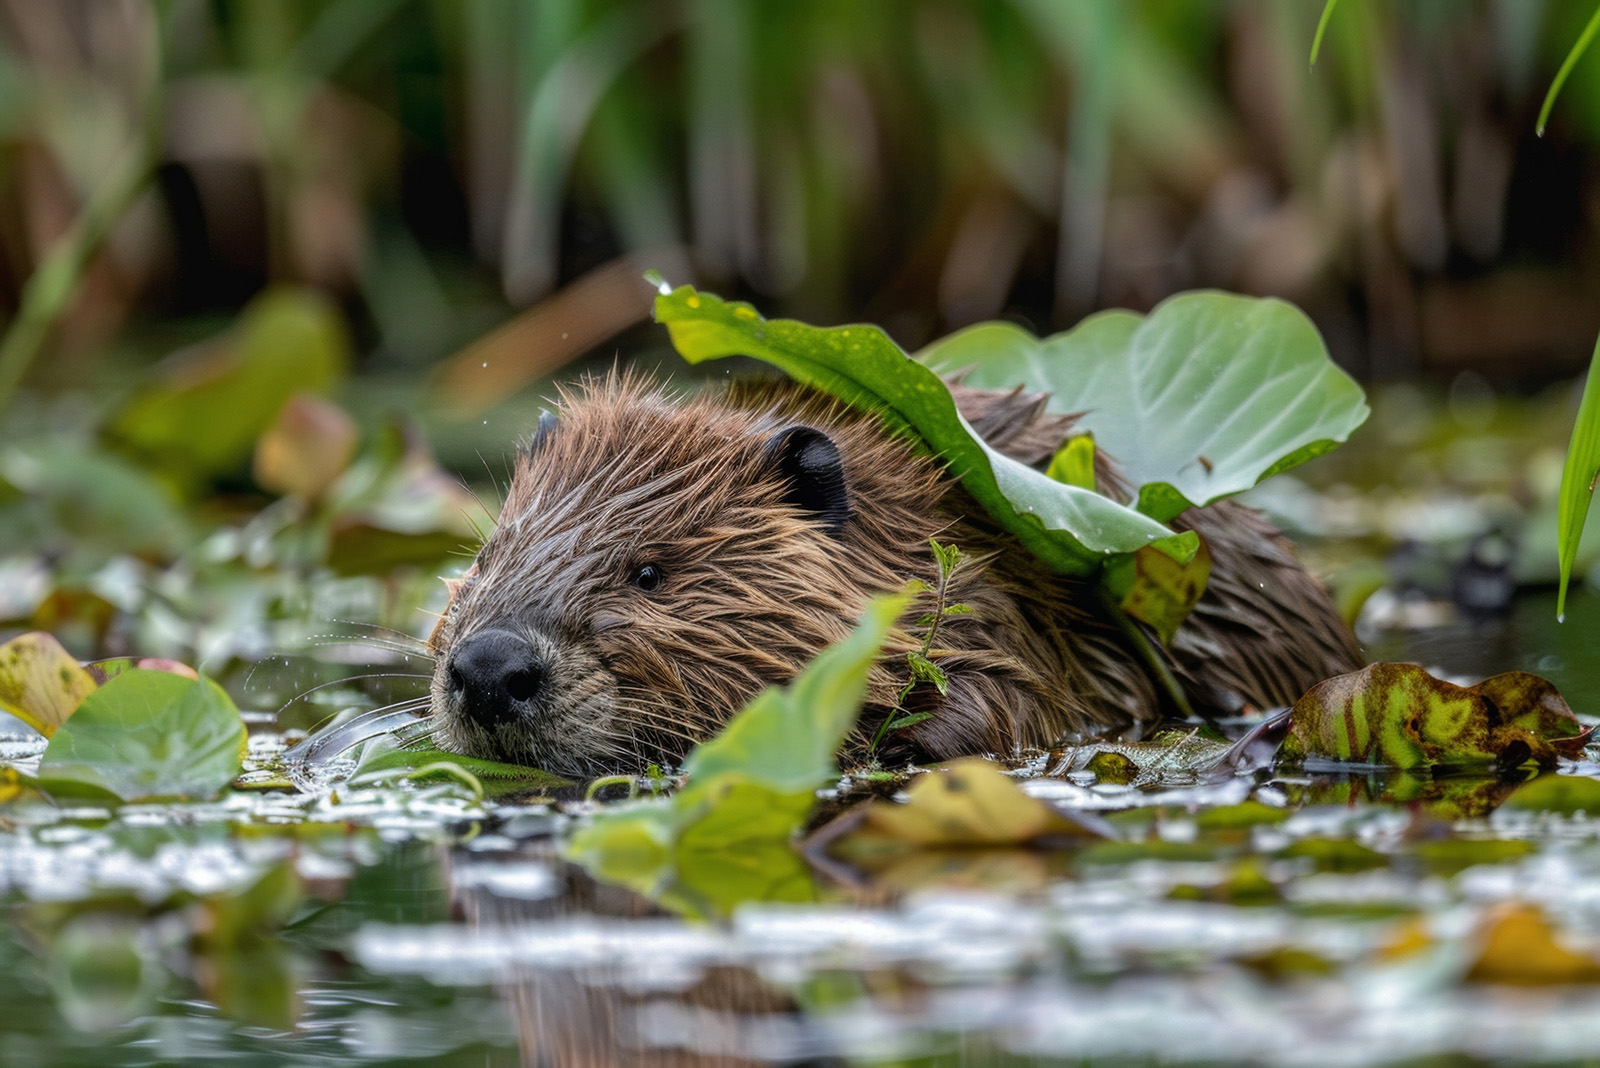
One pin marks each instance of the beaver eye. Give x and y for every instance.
(647, 577)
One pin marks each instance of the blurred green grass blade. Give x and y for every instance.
(1578, 477)
(1322, 28)
(1567, 64)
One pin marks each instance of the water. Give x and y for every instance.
(422, 926)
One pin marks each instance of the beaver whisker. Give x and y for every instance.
(392, 632)
(330, 742)
(303, 694)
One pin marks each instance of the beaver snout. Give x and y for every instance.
(494, 674)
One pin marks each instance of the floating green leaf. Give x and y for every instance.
(147, 734)
(1399, 715)
(40, 682)
(384, 760)
(1201, 399)
(749, 788)
(1578, 476)
(1069, 527)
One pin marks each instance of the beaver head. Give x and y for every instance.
(658, 561)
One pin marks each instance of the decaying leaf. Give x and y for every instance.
(970, 802)
(309, 444)
(1155, 589)
(40, 682)
(1399, 715)
(1519, 947)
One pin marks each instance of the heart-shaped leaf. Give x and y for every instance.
(147, 734)
(1071, 528)
(1204, 397)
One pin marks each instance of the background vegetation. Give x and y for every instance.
(443, 203)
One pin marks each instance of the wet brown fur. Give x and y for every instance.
(754, 588)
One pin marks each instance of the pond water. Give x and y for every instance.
(1252, 920)
(1258, 919)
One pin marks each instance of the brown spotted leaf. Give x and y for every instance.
(40, 682)
(1399, 715)
(1157, 590)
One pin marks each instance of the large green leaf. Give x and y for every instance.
(749, 788)
(1069, 527)
(147, 734)
(1203, 398)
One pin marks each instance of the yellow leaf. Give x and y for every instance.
(40, 682)
(1519, 948)
(969, 802)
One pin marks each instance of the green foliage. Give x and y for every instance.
(749, 789)
(383, 760)
(1322, 28)
(1073, 463)
(1399, 715)
(204, 418)
(1579, 47)
(147, 734)
(1578, 476)
(1201, 399)
(919, 661)
(1070, 528)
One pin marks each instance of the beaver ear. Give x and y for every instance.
(809, 463)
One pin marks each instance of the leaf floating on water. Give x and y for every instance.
(383, 759)
(1519, 947)
(1558, 793)
(40, 682)
(147, 734)
(1399, 715)
(970, 802)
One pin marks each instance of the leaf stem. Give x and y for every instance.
(1147, 653)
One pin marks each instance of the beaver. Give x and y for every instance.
(660, 559)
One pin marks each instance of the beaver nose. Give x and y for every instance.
(494, 671)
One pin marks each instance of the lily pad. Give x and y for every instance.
(1072, 528)
(1204, 397)
(40, 682)
(1401, 716)
(147, 734)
